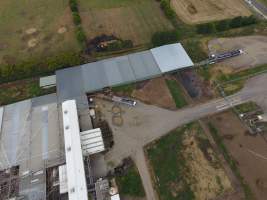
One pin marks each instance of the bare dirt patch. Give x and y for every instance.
(31, 31)
(32, 43)
(62, 30)
(255, 48)
(248, 151)
(199, 11)
(156, 92)
(209, 181)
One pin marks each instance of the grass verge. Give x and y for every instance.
(247, 107)
(232, 83)
(176, 93)
(21, 90)
(232, 163)
(131, 184)
(125, 90)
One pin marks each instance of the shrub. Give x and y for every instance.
(73, 5)
(127, 44)
(165, 37)
(80, 35)
(76, 18)
(236, 22)
(119, 45)
(222, 25)
(38, 67)
(166, 7)
(206, 28)
(249, 20)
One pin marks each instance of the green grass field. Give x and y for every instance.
(34, 29)
(169, 165)
(135, 20)
(131, 184)
(176, 93)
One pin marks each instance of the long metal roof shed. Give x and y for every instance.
(76, 81)
(77, 188)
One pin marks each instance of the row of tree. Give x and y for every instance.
(38, 67)
(165, 37)
(166, 7)
(226, 24)
(79, 32)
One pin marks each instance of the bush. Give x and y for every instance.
(79, 32)
(166, 7)
(226, 24)
(73, 5)
(236, 22)
(222, 25)
(38, 67)
(127, 44)
(206, 28)
(119, 45)
(80, 35)
(249, 20)
(76, 18)
(165, 37)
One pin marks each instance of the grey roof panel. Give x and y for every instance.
(69, 83)
(112, 72)
(94, 77)
(143, 65)
(171, 57)
(125, 69)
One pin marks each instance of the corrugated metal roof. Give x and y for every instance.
(115, 197)
(30, 138)
(171, 57)
(74, 160)
(92, 141)
(48, 81)
(144, 65)
(1, 118)
(91, 77)
(63, 180)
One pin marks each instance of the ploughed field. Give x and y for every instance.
(200, 11)
(135, 20)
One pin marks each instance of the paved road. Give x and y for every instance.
(145, 123)
(259, 7)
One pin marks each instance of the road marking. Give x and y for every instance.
(257, 154)
(226, 105)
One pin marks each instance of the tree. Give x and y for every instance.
(165, 37)
(249, 20)
(236, 22)
(73, 5)
(222, 25)
(76, 18)
(206, 28)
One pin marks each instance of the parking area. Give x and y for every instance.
(254, 47)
